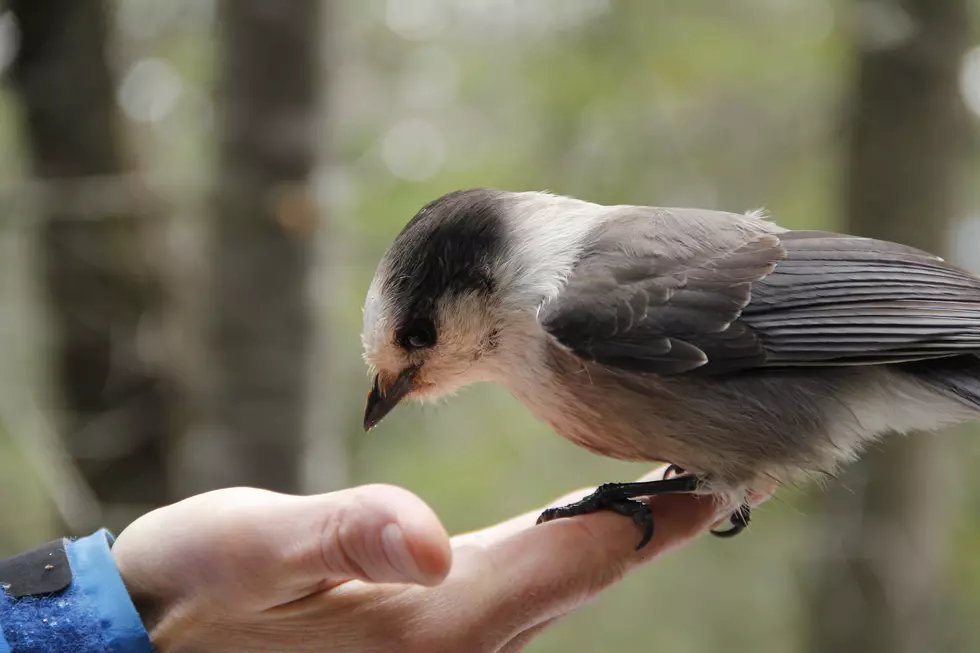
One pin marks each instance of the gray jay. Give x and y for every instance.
(744, 354)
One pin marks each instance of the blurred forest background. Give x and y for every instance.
(194, 194)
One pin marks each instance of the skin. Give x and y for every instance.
(243, 570)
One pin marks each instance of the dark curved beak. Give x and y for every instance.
(380, 401)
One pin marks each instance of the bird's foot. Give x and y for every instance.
(640, 513)
(621, 498)
(739, 521)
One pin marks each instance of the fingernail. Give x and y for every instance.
(396, 550)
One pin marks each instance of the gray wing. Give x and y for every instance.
(847, 300)
(660, 291)
(722, 294)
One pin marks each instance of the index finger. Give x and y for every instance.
(526, 575)
(522, 522)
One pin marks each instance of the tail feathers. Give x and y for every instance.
(966, 389)
(956, 377)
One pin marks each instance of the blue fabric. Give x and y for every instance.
(99, 580)
(93, 615)
(4, 646)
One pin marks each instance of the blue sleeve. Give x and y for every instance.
(93, 614)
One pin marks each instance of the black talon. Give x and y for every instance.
(620, 498)
(739, 520)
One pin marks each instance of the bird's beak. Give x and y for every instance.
(381, 401)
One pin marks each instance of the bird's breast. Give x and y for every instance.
(585, 406)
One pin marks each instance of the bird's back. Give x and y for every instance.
(738, 349)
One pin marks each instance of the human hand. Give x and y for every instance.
(371, 569)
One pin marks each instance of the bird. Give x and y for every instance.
(746, 355)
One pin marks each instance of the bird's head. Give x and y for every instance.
(432, 315)
(454, 299)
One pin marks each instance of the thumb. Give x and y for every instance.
(259, 549)
(374, 533)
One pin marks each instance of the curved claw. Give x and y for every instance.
(644, 519)
(639, 512)
(620, 498)
(546, 516)
(739, 520)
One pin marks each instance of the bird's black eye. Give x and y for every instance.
(419, 336)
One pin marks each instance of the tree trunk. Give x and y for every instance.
(259, 334)
(104, 297)
(880, 587)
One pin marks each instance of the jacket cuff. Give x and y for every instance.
(93, 613)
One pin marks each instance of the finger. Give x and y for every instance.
(374, 533)
(505, 529)
(522, 522)
(541, 573)
(523, 639)
(290, 545)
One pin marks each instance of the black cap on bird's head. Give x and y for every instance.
(426, 319)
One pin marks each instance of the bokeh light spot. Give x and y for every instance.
(417, 20)
(9, 40)
(970, 80)
(150, 90)
(414, 150)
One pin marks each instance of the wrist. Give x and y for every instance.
(88, 609)
(167, 620)
(172, 626)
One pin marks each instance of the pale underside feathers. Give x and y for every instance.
(750, 295)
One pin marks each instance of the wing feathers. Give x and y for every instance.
(842, 299)
(759, 299)
(645, 312)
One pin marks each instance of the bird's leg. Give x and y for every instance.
(740, 518)
(621, 498)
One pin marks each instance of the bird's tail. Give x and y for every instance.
(956, 377)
